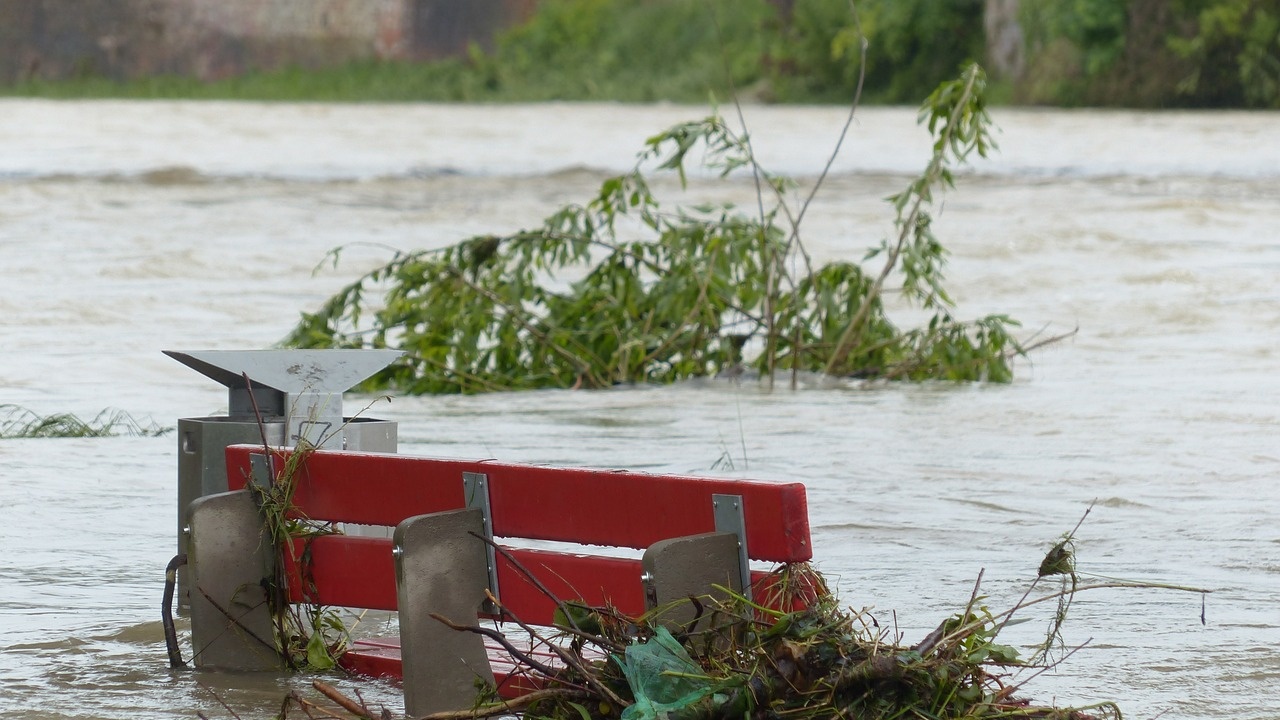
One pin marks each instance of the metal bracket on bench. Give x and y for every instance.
(729, 517)
(261, 471)
(475, 490)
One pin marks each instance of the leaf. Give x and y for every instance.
(582, 711)
(1002, 654)
(583, 618)
(318, 657)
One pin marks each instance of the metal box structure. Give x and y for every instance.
(276, 397)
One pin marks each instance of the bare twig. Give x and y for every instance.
(307, 706)
(1018, 686)
(542, 588)
(968, 628)
(1028, 347)
(844, 131)
(221, 702)
(257, 414)
(236, 622)
(930, 641)
(973, 596)
(351, 706)
(499, 638)
(565, 656)
(1032, 586)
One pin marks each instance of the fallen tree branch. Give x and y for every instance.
(307, 706)
(347, 703)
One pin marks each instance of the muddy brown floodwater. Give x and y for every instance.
(131, 228)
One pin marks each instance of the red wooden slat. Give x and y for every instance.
(359, 572)
(374, 659)
(593, 507)
(366, 488)
(597, 581)
(599, 507)
(343, 571)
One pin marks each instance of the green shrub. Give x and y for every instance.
(1152, 53)
(624, 289)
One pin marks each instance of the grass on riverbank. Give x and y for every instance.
(403, 82)
(364, 81)
(18, 422)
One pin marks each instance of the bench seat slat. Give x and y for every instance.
(365, 488)
(381, 658)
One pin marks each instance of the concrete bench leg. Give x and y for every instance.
(441, 568)
(230, 561)
(689, 566)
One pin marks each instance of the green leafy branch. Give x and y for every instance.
(622, 289)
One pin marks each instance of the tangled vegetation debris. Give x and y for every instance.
(750, 660)
(794, 653)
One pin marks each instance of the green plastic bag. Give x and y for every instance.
(663, 678)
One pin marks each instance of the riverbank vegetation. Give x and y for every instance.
(628, 289)
(1136, 53)
(1152, 53)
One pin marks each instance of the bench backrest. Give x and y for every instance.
(581, 506)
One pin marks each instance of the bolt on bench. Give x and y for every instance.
(695, 532)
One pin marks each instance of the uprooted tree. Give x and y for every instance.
(622, 290)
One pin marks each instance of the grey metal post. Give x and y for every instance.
(690, 566)
(682, 567)
(231, 562)
(441, 568)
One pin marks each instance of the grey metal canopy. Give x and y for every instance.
(302, 386)
(290, 371)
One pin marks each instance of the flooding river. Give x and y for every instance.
(131, 228)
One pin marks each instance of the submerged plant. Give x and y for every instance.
(624, 290)
(19, 422)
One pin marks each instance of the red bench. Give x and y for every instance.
(695, 532)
